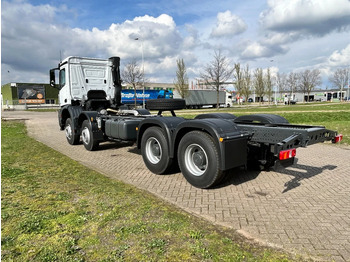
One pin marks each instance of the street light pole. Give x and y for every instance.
(348, 74)
(143, 74)
(275, 87)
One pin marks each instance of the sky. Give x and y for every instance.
(284, 35)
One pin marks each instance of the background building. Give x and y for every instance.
(26, 94)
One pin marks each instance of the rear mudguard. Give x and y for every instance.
(230, 141)
(91, 117)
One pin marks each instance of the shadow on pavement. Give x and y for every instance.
(301, 172)
(114, 145)
(237, 176)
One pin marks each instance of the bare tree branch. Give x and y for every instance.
(340, 79)
(247, 83)
(217, 72)
(269, 84)
(259, 84)
(309, 79)
(133, 75)
(181, 81)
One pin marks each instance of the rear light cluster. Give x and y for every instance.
(337, 138)
(286, 154)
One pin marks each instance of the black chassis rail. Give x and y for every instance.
(286, 136)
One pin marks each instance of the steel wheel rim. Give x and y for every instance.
(85, 134)
(153, 150)
(68, 131)
(196, 159)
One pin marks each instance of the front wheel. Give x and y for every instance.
(87, 136)
(198, 158)
(154, 150)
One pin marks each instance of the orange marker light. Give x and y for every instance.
(286, 154)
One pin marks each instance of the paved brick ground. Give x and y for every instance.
(303, 209)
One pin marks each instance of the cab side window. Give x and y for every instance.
(62, 78)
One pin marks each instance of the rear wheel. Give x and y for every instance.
(72, 136)
(87, 136)
(198, 158)
(155, 150)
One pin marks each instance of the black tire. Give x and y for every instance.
(165, 104)
(87, 136)
(155, 150)
(216, 115)
(262, 118)
(73, 137)
(199, 159)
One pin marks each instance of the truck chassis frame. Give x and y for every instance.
(203, 148)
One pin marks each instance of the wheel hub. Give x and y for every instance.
(69, 132)
(85, 134)
(153, 150)
(156, 149)
(196, 159)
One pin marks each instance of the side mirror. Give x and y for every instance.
(53, 77)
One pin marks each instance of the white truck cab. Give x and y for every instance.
(81, 78)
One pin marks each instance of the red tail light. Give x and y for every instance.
(337, 138)
(286, 154)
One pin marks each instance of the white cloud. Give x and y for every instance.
(32, 40)
(157, 35)
(192, 39)
(292, 32)
(286, 23)
(255, 50)
(228, 25)
(263, 48)
(340, 58)
(313, 17)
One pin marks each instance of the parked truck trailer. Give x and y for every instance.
(128, 95)
(203, 148)
(196, 99)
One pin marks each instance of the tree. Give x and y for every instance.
(133, 75)
(269, 84)
(217, 72)
(181, 81)
(292, 83)
(247, 82)
(238, 78)
(281, 82)
(340, 79)
(259, 84)
(309, 79)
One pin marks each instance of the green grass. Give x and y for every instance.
(54, 209)
(43, 110)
